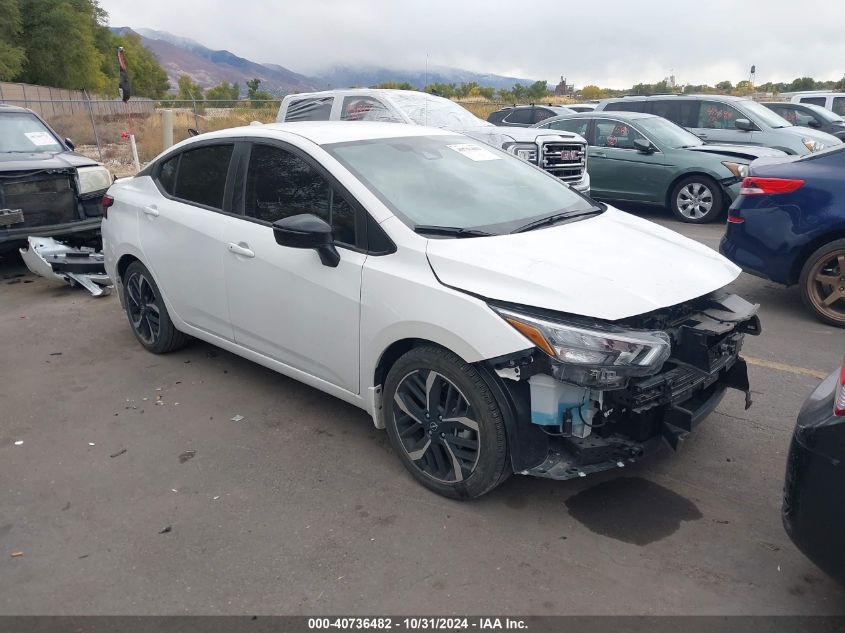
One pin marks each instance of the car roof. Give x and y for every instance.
(5, 107)
(605, 114)
(326, 132)
(675, 96)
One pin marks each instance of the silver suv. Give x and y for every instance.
(726, 119)
(562, 154)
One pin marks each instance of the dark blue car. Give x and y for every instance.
(788, 225)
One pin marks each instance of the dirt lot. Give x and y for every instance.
(123, 505)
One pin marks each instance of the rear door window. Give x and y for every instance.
(309, 109)
(541, 114)
(202, 175)
(715, 115)
(819, 101)
(280, 184)
(683, 112)
(838, 106)
(366, 109)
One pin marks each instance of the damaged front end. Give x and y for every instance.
(603, 393)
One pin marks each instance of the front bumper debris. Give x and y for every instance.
(52, 259)
(707, 336)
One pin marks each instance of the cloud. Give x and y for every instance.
(616, 43)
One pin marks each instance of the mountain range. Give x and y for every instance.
(181, 55)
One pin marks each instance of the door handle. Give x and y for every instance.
(151, 210)
(241, 249)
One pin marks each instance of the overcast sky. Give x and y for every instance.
(612, 43)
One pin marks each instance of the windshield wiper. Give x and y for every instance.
(554, 219)
(452, 231)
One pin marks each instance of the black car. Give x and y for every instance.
(46, 189)
(525, 115)
(809, 115)
(813, 498)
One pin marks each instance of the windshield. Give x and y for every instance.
(667, 134)
(23, 133)
(425, 109)
(762, 113)
(451, 181)
(824, 113)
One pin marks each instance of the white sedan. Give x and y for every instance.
(489, 317)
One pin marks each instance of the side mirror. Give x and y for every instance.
(644, 146)
(744, 124)
(813, 123)
(306, 230)
(70, 144)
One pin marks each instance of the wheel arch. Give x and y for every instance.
(808, 249)
(692, 172)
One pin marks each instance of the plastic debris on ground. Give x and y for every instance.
(51, 259)
(17, 554)
(237, 418)
(189, 454)
(18, 442)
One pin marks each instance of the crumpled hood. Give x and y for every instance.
(611, 266)
(37, 161)
(747, 152)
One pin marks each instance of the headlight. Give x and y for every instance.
(525, 151)
(93, 179)
(737, 169)
(813, 146)
(594, 356)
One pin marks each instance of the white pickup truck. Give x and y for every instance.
(562, 154)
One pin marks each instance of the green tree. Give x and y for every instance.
(12, 55)
(592, 92)
(59, 42)
(724, 86)
(487, 92)
(395, 85)
(743, 88)
(803, 83)
(189, 90)
(257, 96)
(442, 89)
(147, 77)
(538, 90)
(224, 94)
(519, 93)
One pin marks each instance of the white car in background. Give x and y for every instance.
(562, 154)
(489, 317)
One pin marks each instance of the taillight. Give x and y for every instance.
(839, 397)
(107, 202)
(754, 186)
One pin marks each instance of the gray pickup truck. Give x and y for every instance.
(562, 154)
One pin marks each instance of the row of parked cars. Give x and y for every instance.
(494, 319)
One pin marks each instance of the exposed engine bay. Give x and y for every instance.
(599, 420)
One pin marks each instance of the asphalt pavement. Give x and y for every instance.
(134, 491)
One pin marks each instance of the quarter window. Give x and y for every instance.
(718, 116)
(520, 116)
(625, 106)
(819, 101)
(202, 175)
(679, 111)
(167, 174)
(281, 184)
(615, 134)
(309, 109)
(838, 106)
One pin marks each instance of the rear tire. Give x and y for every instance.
(697, 199)
(147, 313)
(823, 283)
(445, 424)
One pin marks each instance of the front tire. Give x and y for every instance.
(445, 424)
(823, 283)
(697, 199)
(147, 313)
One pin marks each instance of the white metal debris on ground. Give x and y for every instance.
(237, 418)
(43, 253)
